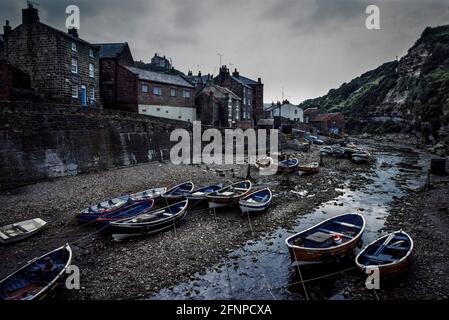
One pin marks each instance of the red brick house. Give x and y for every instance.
(328, 123)
(62, 67)
(114, 83)
(159, 94)
(249, 91)
(217, 106)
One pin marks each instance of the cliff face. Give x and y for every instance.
(410, 95)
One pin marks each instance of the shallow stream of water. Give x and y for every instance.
(261, 269)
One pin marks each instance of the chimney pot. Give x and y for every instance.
(30, 15)
(73, 32)
(259, 80)
(6, 28)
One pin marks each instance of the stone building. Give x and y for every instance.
(115, 82)
(217, 106)
(62, 67)
(244, 88)
(328, 123)
(161, 95)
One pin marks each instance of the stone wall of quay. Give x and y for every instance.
(43, 141)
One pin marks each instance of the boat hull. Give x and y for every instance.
(323, 256)
(11, 291)
(392, 265)
(128, 231)
(37, 225)
(330, 252)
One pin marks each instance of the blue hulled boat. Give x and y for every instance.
(38, 278)
(256, 202)
(128, 212)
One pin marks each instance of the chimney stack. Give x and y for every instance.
(6, 28)
(73, 32)
(259, 80)
(236, 74)
(30, 15)
(199, 74)
(190, 73)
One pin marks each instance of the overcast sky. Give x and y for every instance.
(305, 46)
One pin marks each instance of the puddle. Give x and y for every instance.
(261, 269)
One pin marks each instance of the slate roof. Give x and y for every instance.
(239, 80)
(111, 50)
(222, 90)
(160, 77)
(247, 81)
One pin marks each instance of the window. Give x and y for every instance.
(74, 65)
(74, 91)
(157, 91)
(186, 94)
(244, 100)
(172, 92)
(91, 53)
(158, 109)
(92, 94)
(108, 87)
(296, 111)
(144, 110)
(74, 47)
(91, 70)
(144, 88)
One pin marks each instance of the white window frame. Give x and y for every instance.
(145, 86)
(91, 70)
(171, 92)
(77, 91)
(92, 94)
(157, 91)
(74, 65)
(91, 53)
(186, 94)
(74, 48)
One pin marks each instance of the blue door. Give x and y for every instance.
(83, 96)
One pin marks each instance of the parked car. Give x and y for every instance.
(314, 140)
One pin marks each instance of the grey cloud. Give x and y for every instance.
(305, 46)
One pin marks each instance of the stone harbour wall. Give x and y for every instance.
(42, 141)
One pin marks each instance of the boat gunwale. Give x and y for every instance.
(256, 205)
(58, 276)
(356, 237)
(396, 262)
(124, 223)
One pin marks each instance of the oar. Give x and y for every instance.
(386, 242)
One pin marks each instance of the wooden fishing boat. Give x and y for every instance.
(104, 221)
(288, 165)
(264, 163)
(391, 254)
(149, 222)
(361, 156)
(113, 206)
(200, 194)
(108, 206)
(326, 151)
(229, 195)
(179, 192)
(154, 193)
(309, 168)
(38, 278)
(20, 230)
(258, 201)
(328, 241)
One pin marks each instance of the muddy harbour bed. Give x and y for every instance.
(223, 254)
